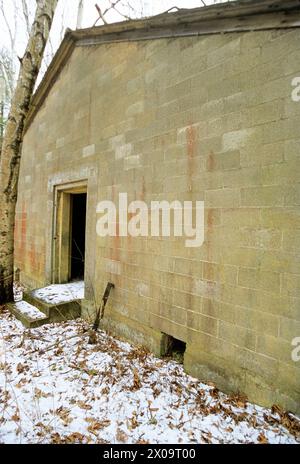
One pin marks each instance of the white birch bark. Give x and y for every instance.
(12, 142)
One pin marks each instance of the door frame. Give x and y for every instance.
(62, 230)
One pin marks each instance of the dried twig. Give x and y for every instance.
(51, 347)
(113, 6)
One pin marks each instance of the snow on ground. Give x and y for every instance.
(61, 293)
(56, 388)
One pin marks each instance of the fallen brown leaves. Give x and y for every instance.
(285, 419)
(73, 438)
(138, 353)
(40, 394)
(20, 368)
(64, 414)
(84, 405)
(15, 418)
(126, 395)
(95, 426)
(238, 400)
(121, 436)
(262, 439)
(133, 423)
(136, 381)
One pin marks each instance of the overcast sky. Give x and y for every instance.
(66, 16)
(68, 9)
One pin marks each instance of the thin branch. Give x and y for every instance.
(101, 16)
(26, 16)
(15, 27)
(7, 78)
(7, 71)
(113, 5)
(63, 22)
(8, 26)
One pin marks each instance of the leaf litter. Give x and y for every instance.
(56, 388)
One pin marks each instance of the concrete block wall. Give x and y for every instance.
(207, 118)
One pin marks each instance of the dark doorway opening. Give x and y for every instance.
(78, 226)
(173, 348)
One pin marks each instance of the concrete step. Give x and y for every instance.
(58, 302)
(29, 315)
(55, 312)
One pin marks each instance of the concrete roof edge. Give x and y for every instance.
(224, 17)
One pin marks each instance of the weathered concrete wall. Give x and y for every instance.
(193, 118)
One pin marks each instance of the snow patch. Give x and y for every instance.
(56, 388)
(60, 293)
(29, 311)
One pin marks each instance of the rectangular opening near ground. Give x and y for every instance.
(173, 348)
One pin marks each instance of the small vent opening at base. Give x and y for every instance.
(173, 348)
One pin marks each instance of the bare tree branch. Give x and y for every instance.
(26, 16)
(113, 6)
(8, 26)
(101, 16)
(11, 28)
(7, 72)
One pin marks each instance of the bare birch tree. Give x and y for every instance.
(11, 147)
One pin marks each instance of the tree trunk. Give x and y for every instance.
(10, 156)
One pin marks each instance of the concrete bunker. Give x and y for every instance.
(124, 110)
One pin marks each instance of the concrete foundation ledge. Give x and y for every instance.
(235, 379)
(133, 332)
(227, 374)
